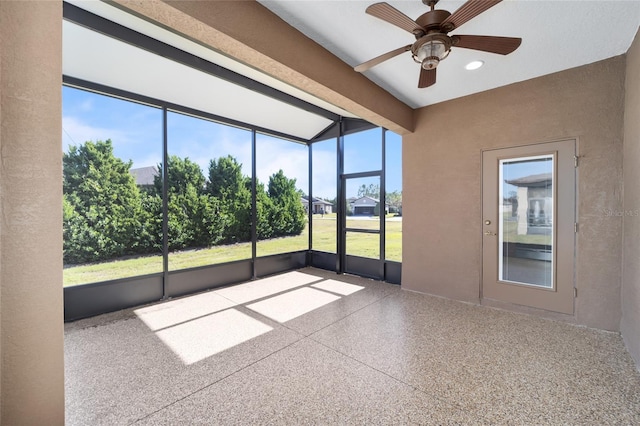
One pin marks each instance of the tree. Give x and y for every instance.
(372, 190)
(288, 215)
(103, 216)
(107, 216)
(233, 190)
(394, 199)
(264, 210)
(195, 218)
(225, 178)
(181, 172)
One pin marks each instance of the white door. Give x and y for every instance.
(528, 206)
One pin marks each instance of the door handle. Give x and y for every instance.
(489, 233)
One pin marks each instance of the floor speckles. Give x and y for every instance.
(371, 354)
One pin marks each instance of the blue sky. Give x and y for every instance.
(136, 133)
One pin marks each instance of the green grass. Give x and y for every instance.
(324, 239)
(96, 272)
(510, 234)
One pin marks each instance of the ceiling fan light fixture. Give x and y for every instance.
(430, 62)
(431, 52)
(433, 42)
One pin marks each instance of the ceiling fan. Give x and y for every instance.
(433, 44)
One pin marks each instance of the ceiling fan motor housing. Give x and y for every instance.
(431, 21)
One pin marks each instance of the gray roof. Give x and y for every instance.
(144, 176)
(316, 201)
(541, 179)
(355, 200)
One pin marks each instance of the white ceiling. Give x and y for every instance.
(557, 35)
(97, 58)
(94, 57)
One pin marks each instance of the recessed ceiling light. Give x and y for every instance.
(474, 65)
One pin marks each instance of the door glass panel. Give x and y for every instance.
(393, 197)
(363, 202)
(363, 245)
(363, 151)
(526, 220)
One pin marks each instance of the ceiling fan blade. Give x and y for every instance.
(390, 14)
(427, 78)
(375, 61)
(467, 11)
(500, 45)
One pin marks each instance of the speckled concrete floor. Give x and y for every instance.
(310, 347)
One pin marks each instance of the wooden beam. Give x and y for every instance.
(253, 35)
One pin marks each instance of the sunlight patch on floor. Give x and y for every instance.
(337, 287)
(196, 340)
(291, 305)
(199, 326)
(177, 311)
(254, 290)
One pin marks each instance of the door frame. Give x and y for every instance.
(560, 298)
(367, 267)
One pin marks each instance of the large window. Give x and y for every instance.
(393, 183)
(208, 192)
(114, 186)
(282, 169)
(112, 219)
(325, 199)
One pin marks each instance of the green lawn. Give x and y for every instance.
(324, 239)
(510, 234)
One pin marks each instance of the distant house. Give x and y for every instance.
(319, 205)
(365, 206)
(145, 176)
(534, 203)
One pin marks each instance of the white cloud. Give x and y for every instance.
(76, 132)
(86, 105)
(153, 159)
(274, 154)
(140, 145)
(201, 149)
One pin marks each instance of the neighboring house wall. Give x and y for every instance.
(319, 206)
(630, 324)
(364, 206)
(442, 254)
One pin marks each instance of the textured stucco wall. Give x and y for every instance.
(630, 324)
(31, 312)
(442, 181)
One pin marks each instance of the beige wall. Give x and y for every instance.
(630, 325)
(31, 312)
(441, 177)
(442, 203)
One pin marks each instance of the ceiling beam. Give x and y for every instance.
(252, 34)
